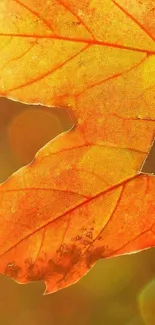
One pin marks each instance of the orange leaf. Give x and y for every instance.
(83, 197)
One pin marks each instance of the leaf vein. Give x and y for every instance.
(80, 20)
(46, 74)
(86, 201)
(78, 40)
(46, 23)
(133, 19)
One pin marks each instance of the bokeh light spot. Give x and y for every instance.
(31, 130)
(147, 303)
(24, 130)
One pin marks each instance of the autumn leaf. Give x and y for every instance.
(83, 197)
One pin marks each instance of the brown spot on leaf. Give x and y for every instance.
(56, 268)
(93, 256)
(89, 234)
(35, 273)
(66, 257)
(86, 242)
(13, 270)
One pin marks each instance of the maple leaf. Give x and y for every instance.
(83, 197)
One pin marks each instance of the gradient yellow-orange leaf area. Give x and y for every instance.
(83, 197)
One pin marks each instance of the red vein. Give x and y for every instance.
(41, 189)
(79, 205)
(64, 234)
(109, 220)
(64, 150)
(18, 57)
(119, 148)
(80, 40)
(133, 19)
(41, 245)
(117, 75)
(92, 173)
(75, 14)
(87, 146)
(35, 14)
(130, 241)
(48, 72)
(145, 231)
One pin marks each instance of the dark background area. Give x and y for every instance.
(118, 291)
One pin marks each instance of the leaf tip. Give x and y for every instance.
(49, 288)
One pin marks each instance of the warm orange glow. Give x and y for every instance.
(82, 198)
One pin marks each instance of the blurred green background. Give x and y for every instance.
(118, 291)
